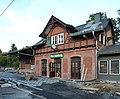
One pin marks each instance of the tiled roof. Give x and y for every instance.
(107, 50)
(41, 42)
(89, 27)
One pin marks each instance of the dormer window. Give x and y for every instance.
(61, 38)
(102, 39)
(57, 39)
(54, 39)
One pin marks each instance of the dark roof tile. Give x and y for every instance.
(112, 49)
(41, 42)
(89, 27)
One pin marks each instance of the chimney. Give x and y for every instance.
(97, 17)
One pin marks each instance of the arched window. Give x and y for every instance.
(76, 67)
(44, 67)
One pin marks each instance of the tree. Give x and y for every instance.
(13, 47)
(115, 22)
(12, 60)
(9, 60)
(0, 52)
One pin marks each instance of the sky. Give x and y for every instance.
(24, 20)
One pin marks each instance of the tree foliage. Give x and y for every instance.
(9, 60)
(13, 47)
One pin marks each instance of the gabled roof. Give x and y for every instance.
(109, 50)
(50, 24)
(90, 26)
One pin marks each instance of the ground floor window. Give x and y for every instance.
(75, 67)
(32, 67)
(103, 67)
(44, 67)
(114, 67)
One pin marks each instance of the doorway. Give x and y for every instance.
(75, 67)
(55, 68)
(44, 67)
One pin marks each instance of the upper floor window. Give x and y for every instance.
(102, 38)
(57, 39)
(61, 38)
(54, 39)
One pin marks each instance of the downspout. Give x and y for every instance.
(33, 51)
(96, 47)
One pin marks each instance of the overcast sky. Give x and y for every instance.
(24, 20)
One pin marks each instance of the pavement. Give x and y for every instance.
(19, 79)
(56, 86)
(38, 81)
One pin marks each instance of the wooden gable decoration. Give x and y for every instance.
(49, 25)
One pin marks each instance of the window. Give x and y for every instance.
(32, 67)
(57, 39)
(102, 39)
(61, 38)
(54, 39)
(115, 66)
(103, 67)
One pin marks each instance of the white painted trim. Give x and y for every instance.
(61, 34)
(110, 67)
(57, 41)
(99, 68)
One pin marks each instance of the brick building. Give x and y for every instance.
(66, 51)
(70, 52)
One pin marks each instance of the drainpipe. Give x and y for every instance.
(96, 46)
(33, 51)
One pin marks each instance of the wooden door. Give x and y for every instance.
(76, 68)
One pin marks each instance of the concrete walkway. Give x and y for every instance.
(38, 81)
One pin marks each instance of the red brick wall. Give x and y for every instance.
(87, 54)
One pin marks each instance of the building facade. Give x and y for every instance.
(70, 52)
(109, 63)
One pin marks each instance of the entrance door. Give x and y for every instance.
(55, 68)
(44, 67)
(75, 67)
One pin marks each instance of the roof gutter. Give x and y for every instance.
(25, 54)
(28, 54)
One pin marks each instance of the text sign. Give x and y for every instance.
(57, 55)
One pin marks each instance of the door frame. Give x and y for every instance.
(76, 72)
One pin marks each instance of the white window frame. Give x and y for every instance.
(53, 38)
(104, 39)
(107, 68)
(61, 38)
(57, 39)
(110, 67)
(100, 37)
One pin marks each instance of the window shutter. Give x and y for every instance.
(48, 40)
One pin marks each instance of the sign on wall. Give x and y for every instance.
(57, 55)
